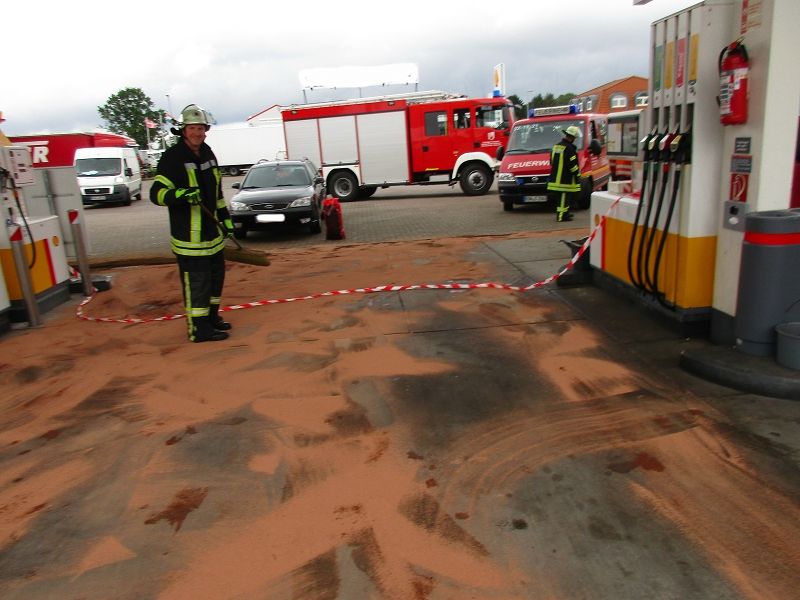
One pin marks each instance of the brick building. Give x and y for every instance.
(621, 94)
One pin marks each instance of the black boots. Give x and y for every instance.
(204, 331)
(216, 321)
(221, 325)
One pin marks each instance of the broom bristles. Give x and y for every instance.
(247, 256)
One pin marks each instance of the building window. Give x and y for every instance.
(588, 104)
(618, 101)
(641, 99)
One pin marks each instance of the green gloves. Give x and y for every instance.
(193, 196)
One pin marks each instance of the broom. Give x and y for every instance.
(234, 251)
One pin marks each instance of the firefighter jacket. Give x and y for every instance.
(180, 171)
(565, 174)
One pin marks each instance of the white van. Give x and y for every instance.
(108, 175)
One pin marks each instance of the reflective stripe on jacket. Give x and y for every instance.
(193, 232)
(565, 173)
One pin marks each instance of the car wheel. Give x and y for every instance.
(240, 233)
(126, 200)
(315, 225)
(344, 186)
(508, 205)
(475, 179)
(234, 171)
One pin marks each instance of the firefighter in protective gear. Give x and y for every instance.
(565, 173)
(189, 183)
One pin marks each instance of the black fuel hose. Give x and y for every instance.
(648, 281)
(645, 174)
(676, 183)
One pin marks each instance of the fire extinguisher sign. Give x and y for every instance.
(738, 192)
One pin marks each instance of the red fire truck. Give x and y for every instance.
(422, 138)
(525, 167)
(58, 149)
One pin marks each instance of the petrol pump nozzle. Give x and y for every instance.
(653, 145)
(680, 148)
(664, 145)
(644, 143)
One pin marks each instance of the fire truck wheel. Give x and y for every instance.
(475, 179)
(344, 186)
(366, 191)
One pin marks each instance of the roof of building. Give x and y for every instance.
(613, 84)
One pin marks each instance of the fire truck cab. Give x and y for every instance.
(525, 166)
(423, 138)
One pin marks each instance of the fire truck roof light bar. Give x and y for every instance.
(545, 111)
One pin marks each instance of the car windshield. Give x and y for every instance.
(539, 138)
(96, 167)
(277, 176)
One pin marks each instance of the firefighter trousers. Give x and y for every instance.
(563, 202)
(202, 279)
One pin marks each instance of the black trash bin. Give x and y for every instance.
(769, 279)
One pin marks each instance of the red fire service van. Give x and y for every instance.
(525, 166)
(421, 138)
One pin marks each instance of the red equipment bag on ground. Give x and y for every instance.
(332, 215)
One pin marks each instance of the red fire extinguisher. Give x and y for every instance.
(734, 67)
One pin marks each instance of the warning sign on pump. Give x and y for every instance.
(741, 163)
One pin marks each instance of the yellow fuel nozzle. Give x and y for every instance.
(675, 143)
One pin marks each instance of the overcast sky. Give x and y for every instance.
(64, 59)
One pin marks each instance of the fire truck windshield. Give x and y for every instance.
(495, 116)
(539, 138)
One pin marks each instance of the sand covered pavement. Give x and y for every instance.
(435, 444)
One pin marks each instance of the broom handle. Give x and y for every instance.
(224, 232)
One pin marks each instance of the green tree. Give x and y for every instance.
(125, 112)
(520, 108)
(550, 99)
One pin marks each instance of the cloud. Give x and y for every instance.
(237, 58)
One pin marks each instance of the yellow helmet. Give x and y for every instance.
(573, 131)
(194, 115)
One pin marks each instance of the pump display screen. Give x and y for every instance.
(539, 138)
(98, 167)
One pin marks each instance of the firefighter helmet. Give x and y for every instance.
(573, 131)
(194, 115)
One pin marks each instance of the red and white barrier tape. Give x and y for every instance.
(370, 290)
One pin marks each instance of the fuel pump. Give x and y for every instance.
(664, 244)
